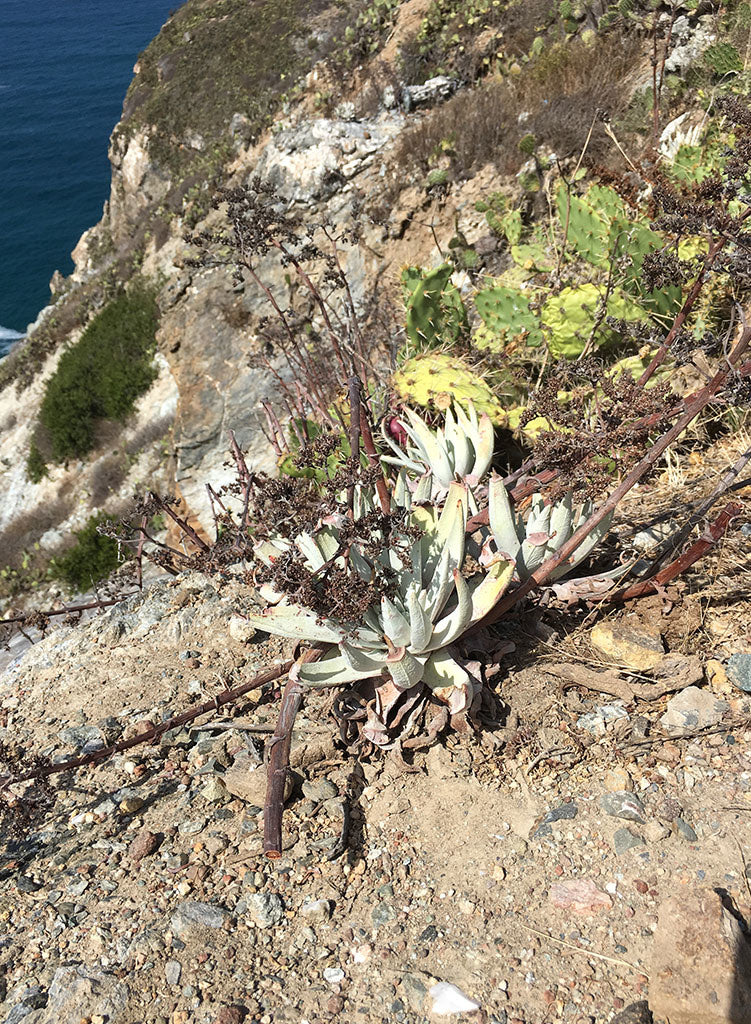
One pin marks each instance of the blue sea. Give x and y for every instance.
(65, 66)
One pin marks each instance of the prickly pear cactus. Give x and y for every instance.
(435, 379)
(435, 311)
(570, 315)
(587, 230)
(507, 316)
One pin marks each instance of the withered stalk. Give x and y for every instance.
(278, 763)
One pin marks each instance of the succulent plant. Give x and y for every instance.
(436, 379)
(460, 450)
(406, 635)
(435, 311)
(506, 313)
(546, 530)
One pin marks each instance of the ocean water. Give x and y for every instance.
(65, 66)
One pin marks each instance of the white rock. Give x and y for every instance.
(448, 999)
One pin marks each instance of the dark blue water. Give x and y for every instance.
(65, 66)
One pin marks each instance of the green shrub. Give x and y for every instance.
(92, 558)
(36, 465)
(101, 376)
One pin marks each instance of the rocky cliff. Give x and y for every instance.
(398, 118)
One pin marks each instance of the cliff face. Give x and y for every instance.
(189, 124)
(386, 119)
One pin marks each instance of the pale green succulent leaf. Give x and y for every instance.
(331, 670)
(295, 623)
(430, 447)
(502, 519)
(488, 592)
(407, 671)
(584, 549)
(442, 671)
(455, 622)
(419, 621)
(396, 626)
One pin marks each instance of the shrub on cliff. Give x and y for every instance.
(101, 376)
(92, 558)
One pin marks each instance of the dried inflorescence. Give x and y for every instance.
(20, 811)
(603, 424)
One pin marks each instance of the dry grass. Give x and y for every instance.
(555, 99)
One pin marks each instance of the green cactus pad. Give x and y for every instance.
(435, 379)
(435, 311)
(570, 315)
(506, 314)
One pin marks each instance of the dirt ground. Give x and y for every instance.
(526, 865)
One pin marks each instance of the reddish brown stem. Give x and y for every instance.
(71, 609)
(179, 521)
(685, 561)
(693, 407)
(278, 764)
(354, 388)
(227, 697)
(370, 450)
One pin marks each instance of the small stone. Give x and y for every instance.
(640, 886)
(617, 780)
(230, 1015)
(647, 539)
(172, 971)
(655, 832)
(333, 975)
(635, 649)
(319, 790)
(701, 962)
(448, 999)
(382, 914)
(215, 791)
(246, 779)
(718, 678)
(240, 629)
(78, 992)
(265, 909)
(622, 804)
(579, 895)
(564, 812)
(597, 721)
(143, 845)
(635, 1013)
(335, 1004)
(739, 671)
(624, 840)
(413, 991)
(191, 917)
(686, 830)
(691, 709)
(131, 804)
(319, 910)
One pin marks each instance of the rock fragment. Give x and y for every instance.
(580, 895)
(691, 709)
(701, 963)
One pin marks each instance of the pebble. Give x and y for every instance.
(655, 832)
(265, 909)
(597, 721)
(579, 895)
(382, 914)
(617, 780)
(333, 975)
(622, 804)
(319, 790)
(686, 830)
(635, 1013)
(739, 671)
(190, 917)
(624, 839)
(316, 909)
(691, 709)
(172, 971)
(215, 791)
(145, 843)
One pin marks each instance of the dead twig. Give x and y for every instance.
(278, 765)
(96, 756)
